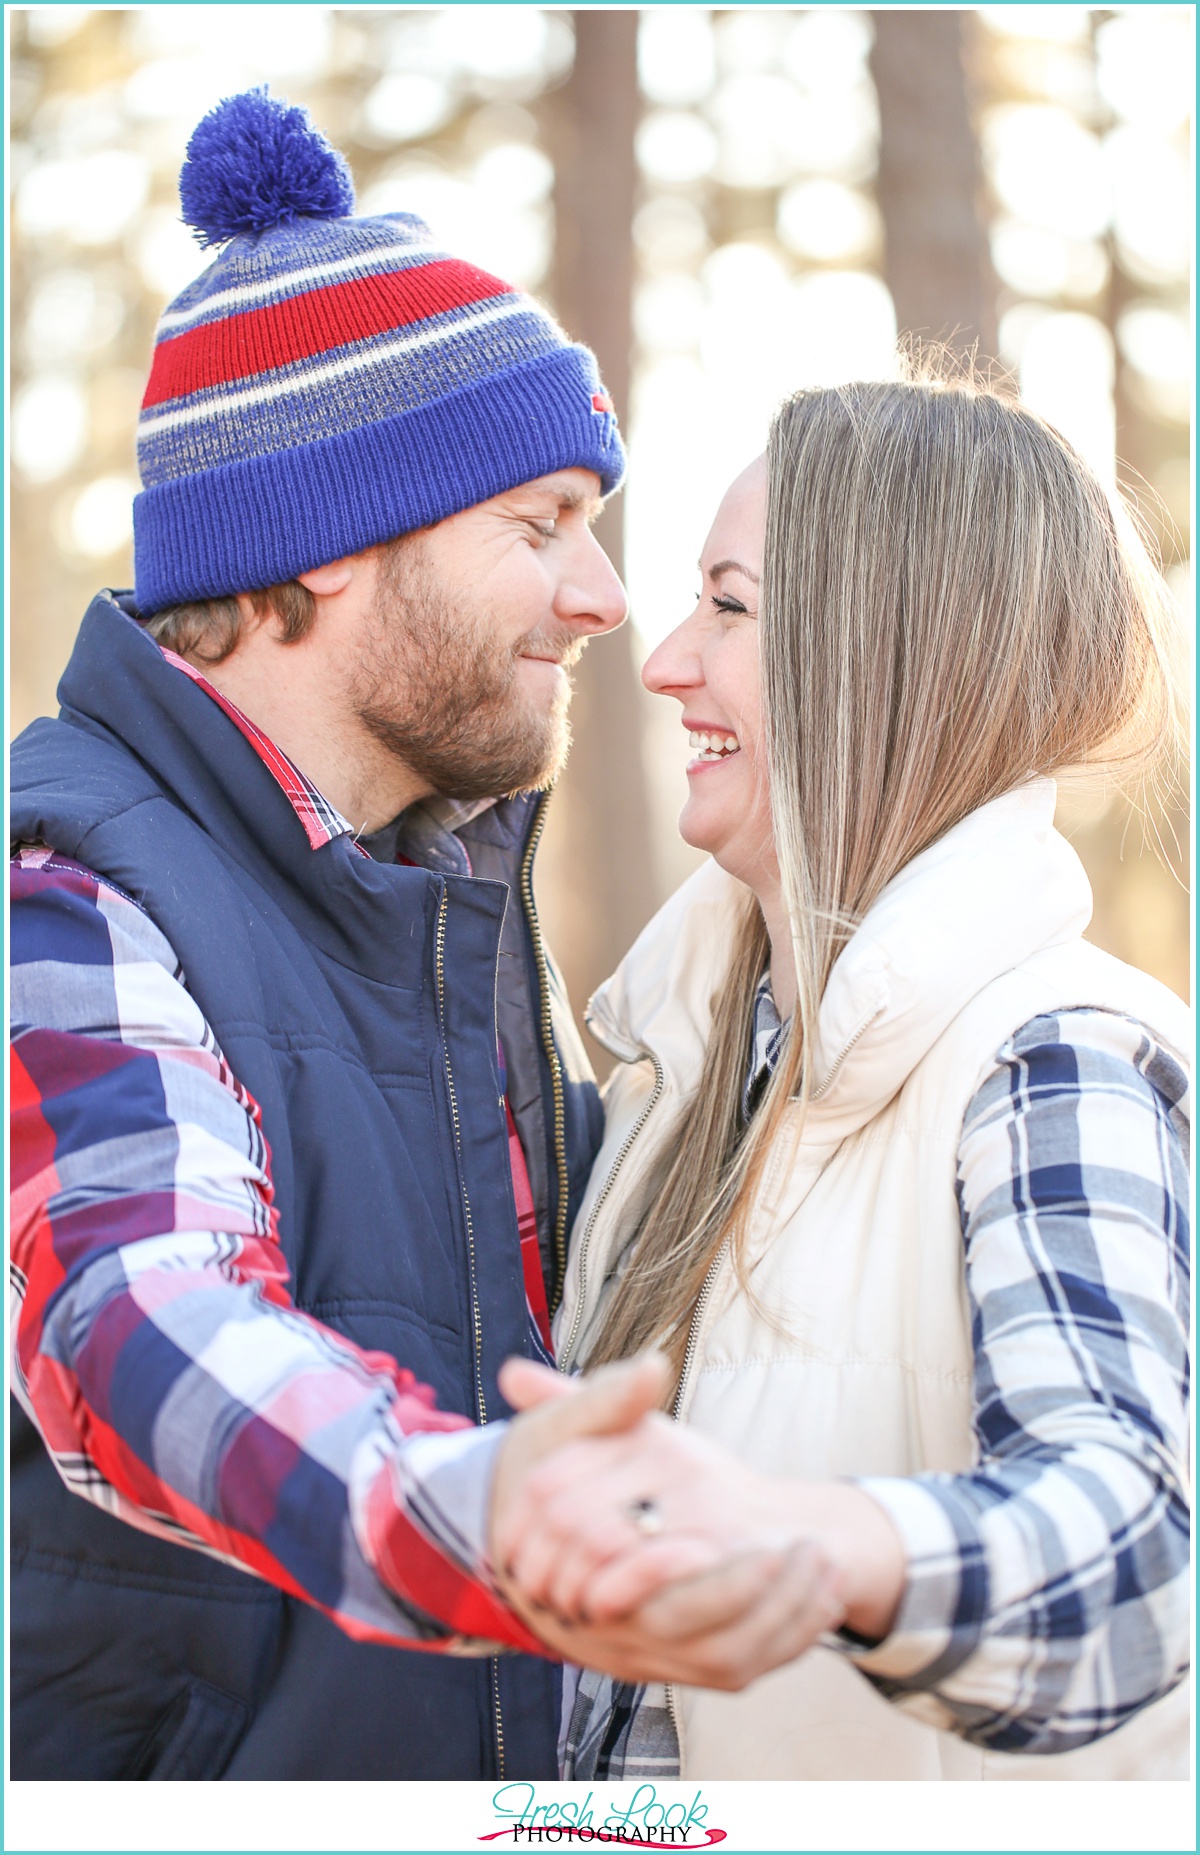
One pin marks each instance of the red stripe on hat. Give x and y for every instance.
(238, 347)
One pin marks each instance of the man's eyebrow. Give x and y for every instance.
(571, 498)
(731, 566)
(566, 495)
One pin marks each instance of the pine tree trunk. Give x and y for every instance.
(937, 263)
(598, 878)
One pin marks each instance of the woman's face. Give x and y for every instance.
(710, 665)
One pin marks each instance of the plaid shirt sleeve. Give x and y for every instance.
(1047, 1597)
(154, 1342)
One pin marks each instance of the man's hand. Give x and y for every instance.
(558, 1411)
(565, 1529)
(684, 1607)
(721, 1629)
(569, 1541)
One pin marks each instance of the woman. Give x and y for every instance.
(894, 1169)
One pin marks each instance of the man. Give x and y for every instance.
(300, 1119)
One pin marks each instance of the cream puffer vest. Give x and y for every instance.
(855, 1240)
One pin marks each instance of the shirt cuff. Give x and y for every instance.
(423, 1523)
(942, 1610)
(445, 1482)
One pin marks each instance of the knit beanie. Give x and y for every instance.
(330, 382)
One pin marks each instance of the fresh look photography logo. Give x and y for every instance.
(647, 1821)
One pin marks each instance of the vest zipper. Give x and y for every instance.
(494, 1673)
(593, 1214)
(844, 1052)
(709, 1282)
(693, 1339)
(669, 1695)
(476, 1315)
(610, 1181)
(706, 1287)
(689, 1357)
(546, 1026)
(702, 1300)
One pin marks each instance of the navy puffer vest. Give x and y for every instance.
(341, 991)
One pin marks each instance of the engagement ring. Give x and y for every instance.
(645, 1516)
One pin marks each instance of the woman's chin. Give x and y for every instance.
(695, 829)
(702, 831)
(750, 862)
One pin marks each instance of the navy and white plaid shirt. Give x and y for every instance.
(1048, 1587)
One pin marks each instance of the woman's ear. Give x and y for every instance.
(333, 577)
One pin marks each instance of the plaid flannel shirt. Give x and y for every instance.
(1047, 1593)
(154, 1343)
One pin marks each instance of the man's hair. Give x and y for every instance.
(209, 629)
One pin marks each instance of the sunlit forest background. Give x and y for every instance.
(727, 204)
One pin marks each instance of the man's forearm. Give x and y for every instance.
(156, 1346)
(274, 1445)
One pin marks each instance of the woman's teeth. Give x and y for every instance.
(713, 746)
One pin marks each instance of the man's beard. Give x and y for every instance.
(441, 694)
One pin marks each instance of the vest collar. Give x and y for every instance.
(120, 680)
(119, 688)
(999, 886)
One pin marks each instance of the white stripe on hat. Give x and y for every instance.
(330, 370)
(173, 319)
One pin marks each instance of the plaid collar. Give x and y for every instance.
(428, 833)
(766, 1042)
(322, 821)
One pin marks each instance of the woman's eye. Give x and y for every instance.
(724, 603)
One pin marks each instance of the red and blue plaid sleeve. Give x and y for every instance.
(155, 1344)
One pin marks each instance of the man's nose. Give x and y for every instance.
(593, 595)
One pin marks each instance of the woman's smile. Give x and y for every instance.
(709, 664)
(711, 745)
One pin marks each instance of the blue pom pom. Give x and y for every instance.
(253, 163)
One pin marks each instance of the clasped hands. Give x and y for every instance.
(634, 1545)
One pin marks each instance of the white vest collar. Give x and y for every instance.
(998, 887)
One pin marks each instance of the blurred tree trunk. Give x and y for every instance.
(599, 859)
(937, 265)
(1140, 439)
(1139, 865)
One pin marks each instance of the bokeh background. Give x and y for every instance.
(727, 204)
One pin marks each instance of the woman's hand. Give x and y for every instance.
(715, 1619)
(569, 1540)
(721, 1629)
(611, 1403)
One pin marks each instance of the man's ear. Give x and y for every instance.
(333, 577)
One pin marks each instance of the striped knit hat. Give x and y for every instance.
(330, 382)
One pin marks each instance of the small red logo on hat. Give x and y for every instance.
(601, 402)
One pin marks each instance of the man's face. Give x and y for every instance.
(472, 628)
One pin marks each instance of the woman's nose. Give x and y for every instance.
(673, 667)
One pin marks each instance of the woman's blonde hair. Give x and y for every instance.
(950, 604)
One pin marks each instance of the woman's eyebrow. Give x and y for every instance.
(731, 566)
